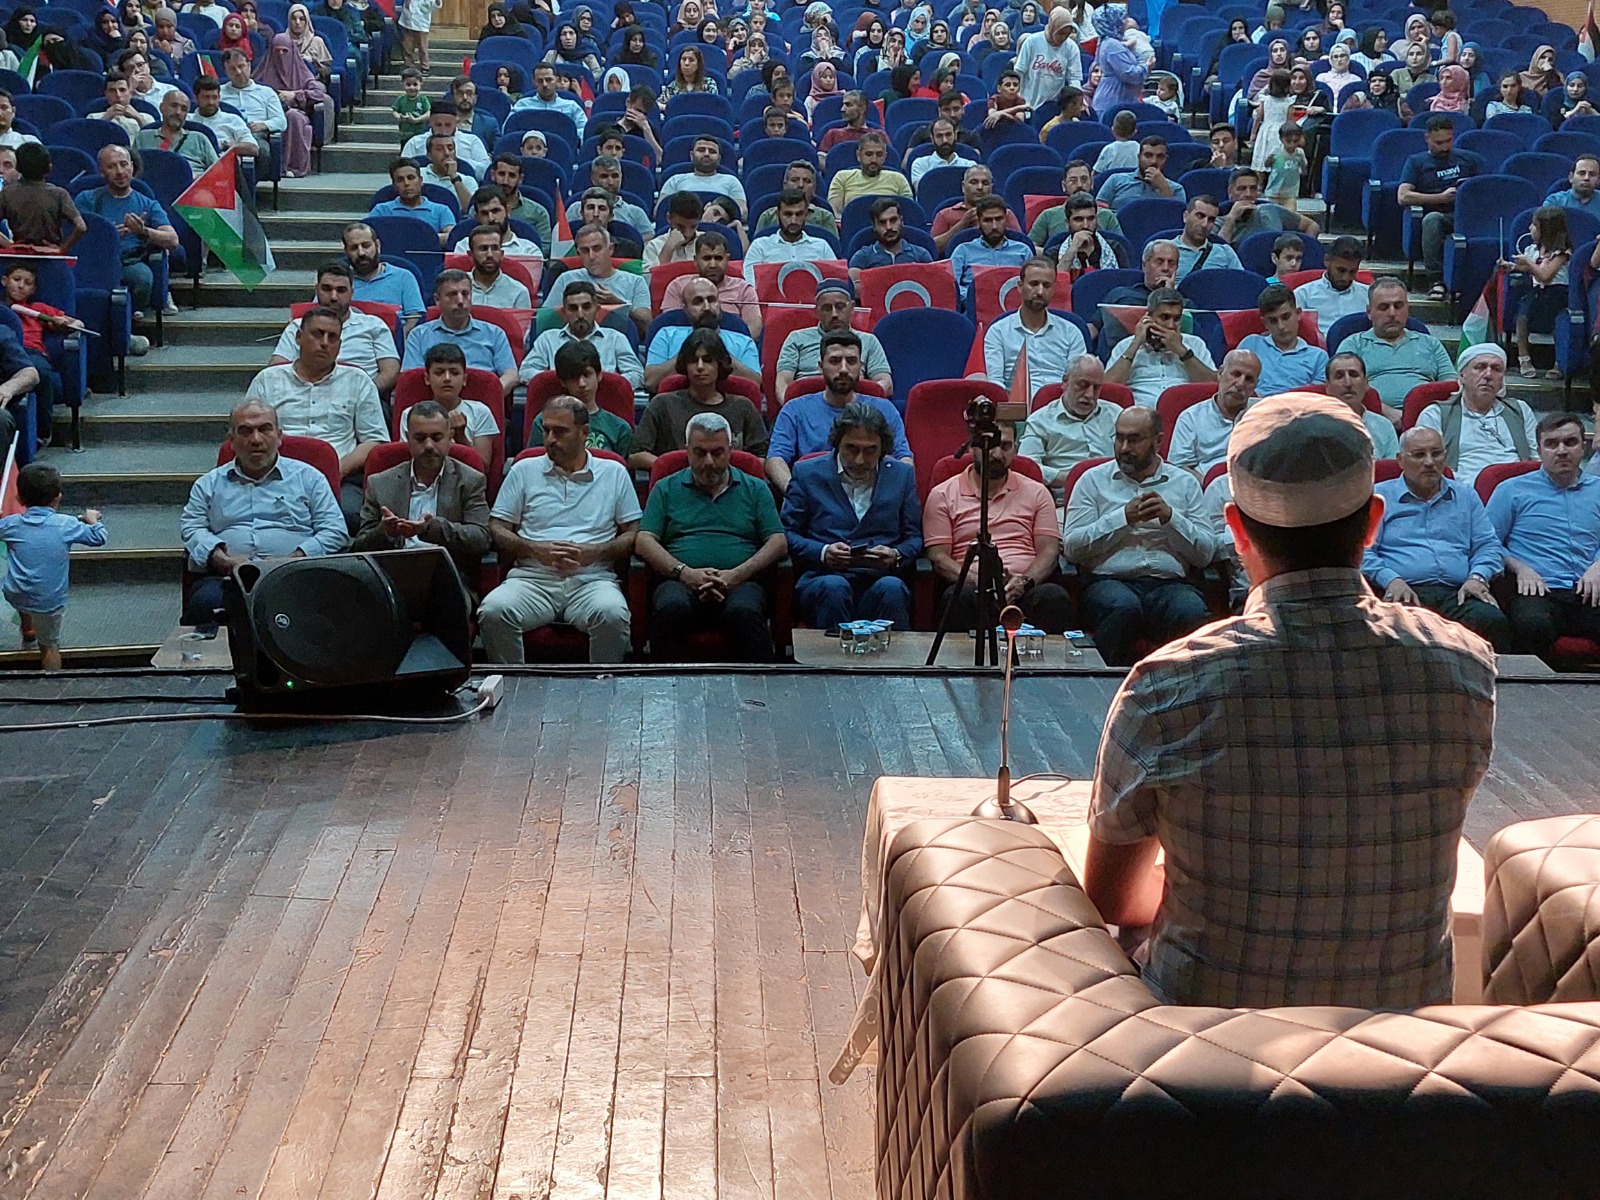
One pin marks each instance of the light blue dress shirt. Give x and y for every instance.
(1442, 540)
(1566, 199)
(37, 542)
(290, 508)
(1125, 187)
(804, 423)
(977, 253)
(1222, 256)
(391, 285)
(484, 345)
(669, 339)
(1283, 371)
(557, 103)
(1556, 531)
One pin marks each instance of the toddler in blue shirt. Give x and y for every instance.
(37, 542)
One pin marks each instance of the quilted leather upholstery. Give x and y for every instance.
(1023, 1058)
(1541, 913)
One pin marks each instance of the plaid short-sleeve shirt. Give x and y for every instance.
(1306, 767)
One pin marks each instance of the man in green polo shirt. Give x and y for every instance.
(710, 530)
(1397, 359)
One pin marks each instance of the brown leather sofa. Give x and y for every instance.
(1022, 1059)
(1541, 911)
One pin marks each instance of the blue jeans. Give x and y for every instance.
(1120, 612)
(140, 281)
(827, 600)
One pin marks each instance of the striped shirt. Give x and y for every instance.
(1307, 768)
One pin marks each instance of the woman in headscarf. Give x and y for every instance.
(306, 42)
(999, 42)
(623, 16)
(939, 36)
(1313, 109)
(1472, 61)
(499, 23)
(1575, 100)
(1309, 47)
(616, 79)
(252, 20)
(1416, 69)
(345, 13)
(23, 30)
(167, 39)
(583, 18)
(755, 56)
(823, 49)
(690, 75)
(917, 31)
(905, 82)
(1333, 24)
(301, 92)
(824, 83)
(235, 36)
(1029, 20)
(1122, 72)
(1338, 76)
(636, 50)
(106, 38)
(1381, 93)
(130, 15)
(1417, 30)
(871, 48)
(1374, 50)
(690, 14)
(894, 50)
(1455, 90)
(568, 49)
(1278, 59)
(1541, 75)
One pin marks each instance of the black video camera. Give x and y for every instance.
(984, 416)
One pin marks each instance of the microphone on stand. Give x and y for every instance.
(1003, 807)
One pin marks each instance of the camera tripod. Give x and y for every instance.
(990, 592)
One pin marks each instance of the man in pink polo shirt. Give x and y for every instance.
(735, 294)
(1022, 522)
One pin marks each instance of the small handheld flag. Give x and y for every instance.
(220, 207)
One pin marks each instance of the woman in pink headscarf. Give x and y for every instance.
(1455, 94)
(824, 83)
(285, 72)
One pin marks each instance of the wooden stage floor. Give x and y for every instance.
(594, 945)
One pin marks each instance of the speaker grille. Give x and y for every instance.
(331, 622)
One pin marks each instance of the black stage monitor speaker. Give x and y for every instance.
(355, 627)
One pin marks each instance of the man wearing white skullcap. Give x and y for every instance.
(1305, 766)
(1479, 423)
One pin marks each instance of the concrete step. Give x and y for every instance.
(276, 293)
(114, 476)
(129, 618)
(329, 191)
(323, 228)
(232, 325)
(155, 428)
(369, 156)
(198, 368)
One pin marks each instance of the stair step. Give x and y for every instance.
(154, 428)
(132, 616)
(230, 325)
(109, 477)
(199, 368)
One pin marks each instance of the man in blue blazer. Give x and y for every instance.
(854, 525)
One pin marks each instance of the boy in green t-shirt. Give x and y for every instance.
(577, 366)
(411, 110)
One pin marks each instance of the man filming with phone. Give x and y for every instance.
(1159, 354)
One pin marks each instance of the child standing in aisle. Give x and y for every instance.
(37, 542)
(1286, 166)
(411, 109)
(416, 19)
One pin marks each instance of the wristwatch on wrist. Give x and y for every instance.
(678, 570)
(1186, 356)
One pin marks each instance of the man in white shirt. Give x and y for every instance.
(263, 111)
(683, 224)
(1136, 527)
(316, 396)
(8, 111)
(706, 158)
(443, 122)
(612, 287)
(1077, 426)
(1337, 293)
(1200, 434)
(1159, 354)
(1347, 381)
(232, 130)
(366, 342)
(545, 98)
(136, 66)
(445, 170)
(489, 208)
(1049, 60)
(564, 520)
(791, 243)
(947, 151)
(1051, 340)
(579, 309)
(1480, 424)
(492, 287)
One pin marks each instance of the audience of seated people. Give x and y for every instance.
(1136, 532)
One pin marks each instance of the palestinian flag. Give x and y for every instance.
(561, 235)
(29, 65)
(1589, 35)
(221, 209)
(9, 504)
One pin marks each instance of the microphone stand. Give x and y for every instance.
(990, 594)
(1003, 807)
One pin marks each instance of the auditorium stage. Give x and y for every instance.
(594, 944)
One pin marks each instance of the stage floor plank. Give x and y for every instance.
(593, 946)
